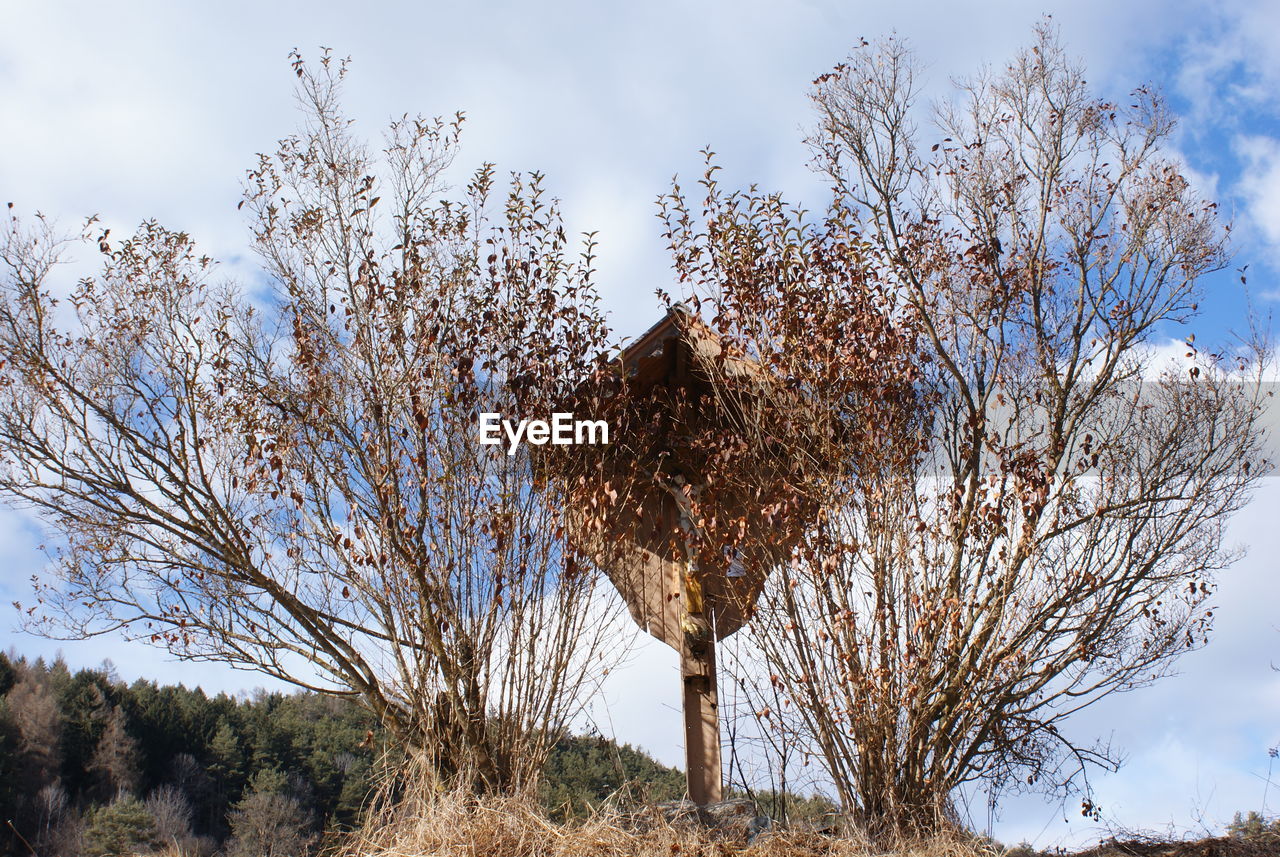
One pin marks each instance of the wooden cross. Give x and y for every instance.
(657, 558)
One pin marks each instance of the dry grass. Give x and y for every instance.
(1264, 845)
(419, 821)
(425, 824)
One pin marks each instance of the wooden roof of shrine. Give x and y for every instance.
(680, 359)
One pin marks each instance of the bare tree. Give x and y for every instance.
(270, 824)
(289, 480)
(271, 819)
(1034, 520)
(172, 813)
(51, 804)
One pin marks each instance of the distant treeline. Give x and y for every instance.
(92, 765)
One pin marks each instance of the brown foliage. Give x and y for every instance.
(115, 759)
(1016, 515)
(34, 710)
(290, 480)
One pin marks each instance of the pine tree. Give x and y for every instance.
(85, 704)
(226, 763)
(115, 763)
(122, 827)
(35, 712)
(8, 674)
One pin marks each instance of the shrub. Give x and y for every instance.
(268, 822)
(125, 826)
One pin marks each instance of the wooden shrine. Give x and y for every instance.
(682, 583)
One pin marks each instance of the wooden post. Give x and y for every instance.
(701, 723)
(698, 674)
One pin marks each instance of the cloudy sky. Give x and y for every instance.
(133, 110)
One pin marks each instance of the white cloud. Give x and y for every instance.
(155, 110)
(1259, 187)
(1227, 65)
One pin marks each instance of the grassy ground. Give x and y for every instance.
(1265, 845)
(501, 827)
(457, 826)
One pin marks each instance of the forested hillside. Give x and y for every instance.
(92, 765)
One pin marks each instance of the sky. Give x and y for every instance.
(154, 110)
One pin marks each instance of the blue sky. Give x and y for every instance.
(156, 109)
